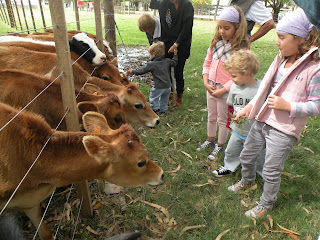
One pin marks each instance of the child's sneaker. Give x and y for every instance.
(221, 172)
(214, 154)
(257, 211)
(239, 186)
(206, 144)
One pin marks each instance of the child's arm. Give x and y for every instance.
(210, 88)
(243, 112)
(219, 92)
(312, 105)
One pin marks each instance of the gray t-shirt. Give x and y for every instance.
(239, 97)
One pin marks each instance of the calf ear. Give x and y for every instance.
(114, 61)
(91, 88)
(93, 120)
(97, 148)
(84, 107)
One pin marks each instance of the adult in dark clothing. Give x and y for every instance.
(256, 12)
(176, 18)
(312, 10)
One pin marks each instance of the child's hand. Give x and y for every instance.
(175, 51)
(243, 113)
(279, 103)
(219, 92)
(210, 88)
(129, 71)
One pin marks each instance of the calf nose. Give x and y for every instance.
(162, 176)
(118, 119)
(158, 121)
(104, 59)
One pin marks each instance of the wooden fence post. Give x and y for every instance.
(24, 15)
(10, 13)
(97, 13)
(17, 9)
(67, 86)
(42, 15)
(75, 6)
(31, 12)
(109, 25)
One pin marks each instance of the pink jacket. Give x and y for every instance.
(292, 87)
(213, 64)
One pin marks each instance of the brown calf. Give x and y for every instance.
(107, 71)
(117, 156)
(137, 110)
(18, 88)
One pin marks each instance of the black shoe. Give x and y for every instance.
(221, 172)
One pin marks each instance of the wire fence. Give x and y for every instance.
(8, 16)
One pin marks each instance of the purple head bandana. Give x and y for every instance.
(295, 23)
(229, 14)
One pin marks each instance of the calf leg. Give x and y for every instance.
(35, 215)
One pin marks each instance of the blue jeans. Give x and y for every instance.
(159, 99)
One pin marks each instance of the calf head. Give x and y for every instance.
(109, 72)
(83, 45)
(130, 164)
(109, 106)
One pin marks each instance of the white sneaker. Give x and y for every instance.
(205, 144)
(214, 154)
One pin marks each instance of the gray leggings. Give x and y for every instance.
(278, 146)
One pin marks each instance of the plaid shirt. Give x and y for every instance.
(221, 50)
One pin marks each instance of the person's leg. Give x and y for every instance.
(154, 99)
(222, 109)
(212, 117)
(164, 99)
(232, 153)
(178, 72)
(278, 147)
(253, 145)
(260, 161)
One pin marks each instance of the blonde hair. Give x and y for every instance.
(242, 61)
(157, 49)
(240, 38)
(146, 22)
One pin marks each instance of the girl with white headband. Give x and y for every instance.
(230, 35)
(288, 94)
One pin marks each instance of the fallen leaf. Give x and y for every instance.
(92, 231)
(308, 149)
(190, 228)
(266, 225)
(168, 132)
(306, 210)
(175, 170)
(187, 154)
(287, 231)
(200, 185)
(244, 203)
(160, 208)
(221, 234)
(270, 221)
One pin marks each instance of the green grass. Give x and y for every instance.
(191, 194)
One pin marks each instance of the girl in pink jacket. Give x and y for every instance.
(288, 94)
(230, 36)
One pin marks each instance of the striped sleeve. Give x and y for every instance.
(312, 106)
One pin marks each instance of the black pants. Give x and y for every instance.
(178, 70)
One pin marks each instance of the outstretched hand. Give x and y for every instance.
(243, 113)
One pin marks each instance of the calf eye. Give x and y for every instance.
(138, 106)
(142, 163)
(118, 119)
(105, 78)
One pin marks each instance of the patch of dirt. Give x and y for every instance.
(134, 57)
